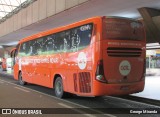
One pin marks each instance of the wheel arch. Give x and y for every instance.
(54, 79)
(19, 73)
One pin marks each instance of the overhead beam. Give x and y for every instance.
(157, 21)
(152, 29)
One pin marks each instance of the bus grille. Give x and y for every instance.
(84, 82)
(124, 52)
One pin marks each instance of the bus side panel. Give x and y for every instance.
(28, 69)
(41, 71)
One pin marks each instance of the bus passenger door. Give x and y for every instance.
(25, 62)
(14, 54)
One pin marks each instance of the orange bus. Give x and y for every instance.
(94, 57)
(4, 64)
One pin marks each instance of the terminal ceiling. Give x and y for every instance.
(8, 6)
(123, 8)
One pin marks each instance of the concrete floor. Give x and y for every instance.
(15, 97)
(32, 96)
(152, 88)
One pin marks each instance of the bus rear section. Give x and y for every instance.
(121, 69)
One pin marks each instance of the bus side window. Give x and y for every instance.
(36, 46)
(32, 48)
(60, 41)
(49, 45)
(67, 41)
(27, 48)
(39, 44)
(75, 39)
(22, 49)
(85, 33)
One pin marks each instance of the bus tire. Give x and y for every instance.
(59, 92)
(20, 79)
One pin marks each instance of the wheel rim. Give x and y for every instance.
(21, 81)
(59, 88)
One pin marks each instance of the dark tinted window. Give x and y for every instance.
(28, 48)
(66, 41)
(49, 45)
(85, 33)
(59, 41)
(22, 49)
(32, 47)
(81, 37)
(38, 44)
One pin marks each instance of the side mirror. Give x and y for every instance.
(12, 53)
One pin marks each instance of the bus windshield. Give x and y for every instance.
(121, 28)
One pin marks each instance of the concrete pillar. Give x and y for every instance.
(35, 12)
(42, 9)
(15, 22)
(51, 7)
(71, 3)
(60, 5)
(29, 15)
(24, 17)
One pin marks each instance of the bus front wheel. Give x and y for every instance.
(59, 92)
(20, 79)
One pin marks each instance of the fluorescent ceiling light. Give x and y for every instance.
(154, 47)
(13, 43)
(152, 44)
(127, 14)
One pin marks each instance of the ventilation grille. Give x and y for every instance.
(84, 82)
(124, 52)
(75, 82)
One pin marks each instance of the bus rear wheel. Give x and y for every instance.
(20, 79)
(59, 92)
